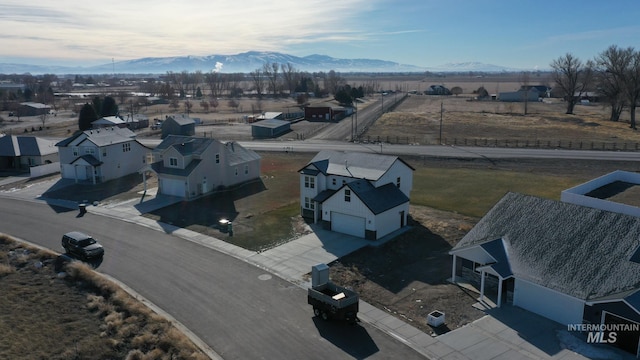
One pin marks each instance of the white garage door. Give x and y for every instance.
(548, 303)
(347, 224)
(172, 187)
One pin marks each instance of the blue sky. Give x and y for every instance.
(522, 34)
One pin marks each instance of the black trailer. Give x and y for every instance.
(331, 301)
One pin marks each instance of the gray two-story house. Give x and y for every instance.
(189, 167)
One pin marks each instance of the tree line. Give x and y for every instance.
(614, 74)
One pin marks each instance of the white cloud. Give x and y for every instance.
(131, 29)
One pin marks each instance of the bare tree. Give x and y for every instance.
(270, 71)
(258, 81)
(233, 104)
(572, 77)
(188, 105)
(214, 104)
(333, 82)
(205, 106)
(632, 86)
(289, 76)
(611, 66)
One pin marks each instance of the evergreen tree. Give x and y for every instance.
(109, 107)
(87, 116)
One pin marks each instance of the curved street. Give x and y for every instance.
(239, 310)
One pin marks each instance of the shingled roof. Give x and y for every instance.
(11, 145)
(577, 250)
(378, 199)
(353, 164)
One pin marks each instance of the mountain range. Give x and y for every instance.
(244, 63)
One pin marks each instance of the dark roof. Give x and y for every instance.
(188, 145)
(181, 119)
(354, 164)
(185, 144)
(497, 249)
(11, 145)
(159, 168)
(237, 154)
(90, 159)
(378, 199)
(324, 195)
(577, 250)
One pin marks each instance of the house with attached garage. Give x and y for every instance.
(100, 155)
(571, 263)
(190, 167)
(359, 194)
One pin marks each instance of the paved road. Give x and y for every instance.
(239, 310)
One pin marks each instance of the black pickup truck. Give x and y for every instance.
(81, 245)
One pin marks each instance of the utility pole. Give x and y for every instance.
(441, 111)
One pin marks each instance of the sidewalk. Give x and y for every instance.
(506, 333)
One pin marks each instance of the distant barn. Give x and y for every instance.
(270, 128)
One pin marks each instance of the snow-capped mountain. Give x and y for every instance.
(243, 63)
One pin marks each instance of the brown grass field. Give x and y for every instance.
(79, 315)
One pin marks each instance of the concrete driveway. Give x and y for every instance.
(513, 333)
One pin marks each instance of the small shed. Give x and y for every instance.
(178, 125)
(270, 128)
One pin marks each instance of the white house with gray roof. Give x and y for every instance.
(23, 152)
(189, 167)
(359, 194)
(570, 263)
(101, 155)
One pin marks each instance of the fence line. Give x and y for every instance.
(506, 143)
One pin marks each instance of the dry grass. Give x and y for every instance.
(78, 316)
(482, 123)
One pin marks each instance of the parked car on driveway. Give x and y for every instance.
(82, 245)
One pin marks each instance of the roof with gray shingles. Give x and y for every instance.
(237, 154)
(378, 199)
(189, 145)
(577, 250)
(103, 136)
(11, 145)
(185, 145)
(354, 164)
(181, 119)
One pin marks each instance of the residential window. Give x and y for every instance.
(310, 182)
(236, 171)
(309, 204)
(217, 158)
(126, 147)
(398, 181)
(334, 181)
(246, 169)
(75, 151)
(173, 161)
(89, 150)
(347, 195)
(104, 152)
